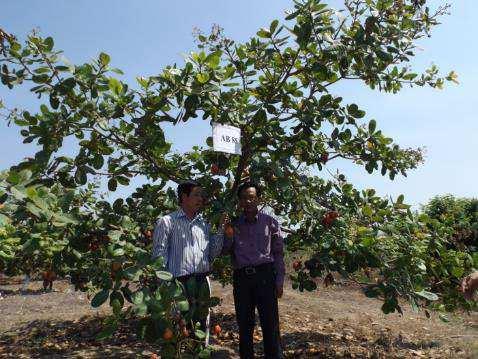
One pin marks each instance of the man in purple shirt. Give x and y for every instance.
(257, 250)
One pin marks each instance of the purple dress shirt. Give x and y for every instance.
(256, 243)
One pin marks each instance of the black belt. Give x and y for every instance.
(251, 270)
(197, 276)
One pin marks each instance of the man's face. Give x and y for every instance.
(195, 199)
(248, 200)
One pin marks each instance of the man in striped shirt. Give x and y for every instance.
(185, 241)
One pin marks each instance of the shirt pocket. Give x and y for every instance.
(200, 238)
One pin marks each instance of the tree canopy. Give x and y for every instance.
(279, 89)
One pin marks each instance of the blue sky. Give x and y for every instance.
(143, 36)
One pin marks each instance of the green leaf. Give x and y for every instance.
(183, 306)
(54, 102)
(205, 353)
(200, 334)
(390, 305)
(384, 56)
(260, 116)
(133, 273)
(164, 275)
(123, 180)
(40, 79)
(118, 71)
(68, 84)
(292, 15)
(214, 59)
(6, 256)
(414, 305)
(104, 59)
(444, 318)
(116, 296)
(138, 298)
(367, 211)
(4, 219)
(231, 84)
(112, 184)
(25, 176)
(49, 43)
(273, 26)
(422, 267)
(97, 162)
(319, 7)
(371, 126)
(107, 332)
(410, 76)
(310, 285)
(115, 86)
(427, 295)
(143, 81)
(128, 295)
(15, 47)
(334, 133)
(64, 218)
(158, 262)
(191, 103)
(264, 33)
(141, 310)
(115, 235)
(457, 272)
(80, 176)
(202, 77)
(14, 178)
(230, 70)
(372, 291)
(18, 193)
(27, 244)
(176, 290)
(100, 298)
(118, 252)
(76, 253)
(62, 68)
(42, 70)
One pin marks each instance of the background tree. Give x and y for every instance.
(279, 88)
(460, 215)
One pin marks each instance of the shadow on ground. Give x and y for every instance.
(337, 342)
(70, 339)
(9, 292)
(76, 339)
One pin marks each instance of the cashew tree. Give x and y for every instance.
(281, 89)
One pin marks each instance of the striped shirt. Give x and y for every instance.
(187, 245)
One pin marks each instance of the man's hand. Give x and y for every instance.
(469, 284)
(224, 220)
(279, 291)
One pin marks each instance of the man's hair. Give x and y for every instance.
(247, 185)
(186, 188)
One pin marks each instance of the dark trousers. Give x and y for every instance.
(256, 288)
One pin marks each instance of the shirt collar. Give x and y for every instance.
(242, 218)
(181, 213)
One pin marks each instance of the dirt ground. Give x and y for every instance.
(335, 322)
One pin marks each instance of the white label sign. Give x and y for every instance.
(226, 138)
